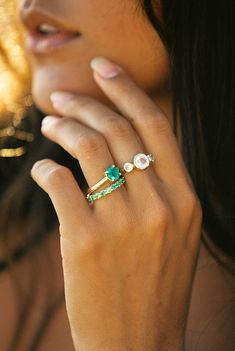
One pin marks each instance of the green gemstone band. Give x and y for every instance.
(106, 191)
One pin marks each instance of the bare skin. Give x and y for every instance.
(119, 32)
(168, 236)
(212, 295)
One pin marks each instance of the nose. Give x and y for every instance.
(25, 4)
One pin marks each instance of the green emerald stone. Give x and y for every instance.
(112, 173)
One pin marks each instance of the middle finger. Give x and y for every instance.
(122, 139)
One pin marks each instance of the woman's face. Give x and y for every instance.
(115, 29)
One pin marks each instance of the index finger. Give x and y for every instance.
(146, 117)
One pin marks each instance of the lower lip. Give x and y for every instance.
(38, 43)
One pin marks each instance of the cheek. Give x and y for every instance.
(136, 47)
(74, 77)
(149, 64)
(151, 74)
(133, 43)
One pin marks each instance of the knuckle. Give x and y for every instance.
(118, 127)
(190, 205)
(76, 103)
(192, 201)
(81, 102)
(89, 143)
(62, 124)
(127, 88)
(157, 210)
(158, 214)
(162, 214)
(162, 124)
(57, 175)
(197, 209)
(157, 122)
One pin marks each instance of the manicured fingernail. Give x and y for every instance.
(60, 98)
(105, 68)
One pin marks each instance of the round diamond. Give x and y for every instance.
(141, 161)
(128, 167)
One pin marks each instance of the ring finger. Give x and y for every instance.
(123, 141)
(89, 147)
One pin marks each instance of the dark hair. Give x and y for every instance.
(199, 37)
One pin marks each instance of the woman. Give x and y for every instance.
(142, 268)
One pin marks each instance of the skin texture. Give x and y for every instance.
(126, 276)
(129, 258)
(120, 32)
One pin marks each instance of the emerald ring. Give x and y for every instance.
(113, 173)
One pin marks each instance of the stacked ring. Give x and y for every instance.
(106, 191)
(113, 174)
(140, 161)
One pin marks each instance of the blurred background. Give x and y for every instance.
(15, 83)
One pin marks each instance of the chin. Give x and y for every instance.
(41, 99)
(43, 84)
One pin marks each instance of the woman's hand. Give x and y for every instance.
(128, 258)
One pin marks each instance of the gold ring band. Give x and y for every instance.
(113, 173)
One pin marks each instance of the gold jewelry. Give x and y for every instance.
(14, 131)
(15, 82)
(140, 161)
(106, 191)
(112, 173)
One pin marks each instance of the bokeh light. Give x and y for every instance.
(14, 67)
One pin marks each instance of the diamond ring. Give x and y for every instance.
(113, 173)
(140, 161)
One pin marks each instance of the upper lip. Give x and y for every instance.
(33, 18)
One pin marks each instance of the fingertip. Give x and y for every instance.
(105, 68)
